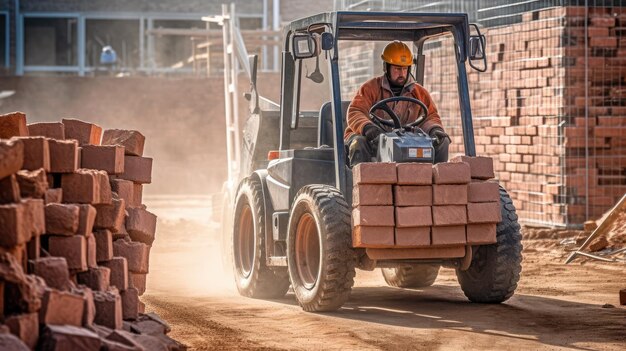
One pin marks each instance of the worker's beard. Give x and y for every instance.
(400, 81)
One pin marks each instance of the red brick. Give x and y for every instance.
(141, 225)
(59, 307)
(53, 195)
(481, 233)
(54, 272)
(486, 212)
(35, 215)
(25, 327)
(104, 245)
(371, 173)
(63, 156)
(33, 183)
(139, 169)
(125, 190)
(13, 124)
(413, 216)
(480, 167)
(137, 254)
(413, 195)
(449, 215)
(81, 187)
(361, 237)
(11, 157)
(603, 21)
(603, 42)
(33, 247)
(73, 248)
(483, 192)
(415, 173)
(137, 195)
(132, 141)
(138, 280)
(110, 216)
(55, 337)
(54, 130)
(130, 304)
(108, 308)
(87, 217)
(13, 225)
(119, 272)
(373, 216)
(89, 311)
(105, 158)
(90, 239)
(62, 219)
(412, 237)
(36, 153)
(106, 195)
(451, 173)
(448, 236)
(85, 133)
(9, 190)
(96, 279)
(370, 194)
(450, 194)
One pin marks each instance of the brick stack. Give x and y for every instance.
(419, 205)
(64, 198)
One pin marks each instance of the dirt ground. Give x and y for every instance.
(555, 306)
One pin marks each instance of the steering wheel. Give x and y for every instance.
(395, 122)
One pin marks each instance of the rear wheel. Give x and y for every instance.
(415, 276)
(319, 253)
(495, 269)
(252, 276)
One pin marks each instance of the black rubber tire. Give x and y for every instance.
(495, 269)
(335, 275)
(260, 281)
(415, 276)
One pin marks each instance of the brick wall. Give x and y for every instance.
(552, 146)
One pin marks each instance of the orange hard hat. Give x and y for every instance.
(397, 53)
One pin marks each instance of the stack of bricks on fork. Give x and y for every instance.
(413, 205)
(71, 216)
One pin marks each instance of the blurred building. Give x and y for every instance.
(41, 37)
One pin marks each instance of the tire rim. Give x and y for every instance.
(244, 256)
(307, 251)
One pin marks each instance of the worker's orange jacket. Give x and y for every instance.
(377, 89)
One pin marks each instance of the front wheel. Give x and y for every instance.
(252, 276)
(495, 269)
(319, 253)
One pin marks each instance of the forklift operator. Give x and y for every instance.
(361, 133)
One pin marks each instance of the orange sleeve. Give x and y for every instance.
(432, 118)
(359, 107)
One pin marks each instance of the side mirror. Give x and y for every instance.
(477, 50)
(477, 47)
(304, 46)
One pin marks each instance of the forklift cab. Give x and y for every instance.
(319, 38)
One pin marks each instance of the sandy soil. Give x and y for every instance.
(555, 307)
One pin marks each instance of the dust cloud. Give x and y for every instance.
(187, 258)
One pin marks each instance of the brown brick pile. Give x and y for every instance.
(416, 205)
(529, 110)
(74, 236)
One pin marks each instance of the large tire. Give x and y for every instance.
(415, 276)
(319, 249)
(252, 276)
(495, 269)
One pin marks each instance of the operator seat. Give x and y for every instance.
(325, 126)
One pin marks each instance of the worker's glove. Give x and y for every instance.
(371, 132)
(438, 136)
